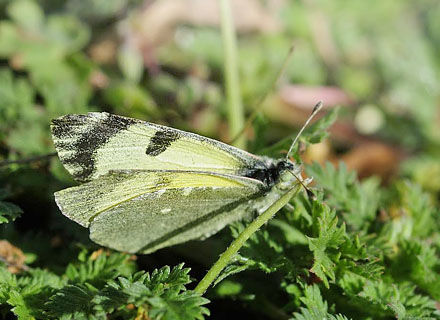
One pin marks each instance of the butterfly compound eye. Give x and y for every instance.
(285, 165)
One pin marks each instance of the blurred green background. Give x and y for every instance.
(162, 61)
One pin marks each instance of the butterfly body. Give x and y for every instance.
(149, 186)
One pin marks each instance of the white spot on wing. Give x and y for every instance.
(160, 192)
(166, 210)
(187, 191)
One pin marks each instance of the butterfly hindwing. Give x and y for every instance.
(142, 211)
(94, 144)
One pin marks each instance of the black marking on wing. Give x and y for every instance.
(61, 128)
(84, 145)
(161, 140)
(163, 181)
(224, 209)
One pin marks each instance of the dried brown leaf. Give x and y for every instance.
(12, 256)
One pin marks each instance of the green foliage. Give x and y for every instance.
(99, 270)
(8, 211)
(315, 306)
(73, 302)
(329, 238)
(315, 133)
(26, 294)
(356, 201)
(364, 249)
(102, 287)
(380, 272)
(163, 294)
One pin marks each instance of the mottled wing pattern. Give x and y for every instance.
(141, 211)
(96, 143)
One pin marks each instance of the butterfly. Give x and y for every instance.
(147, 186)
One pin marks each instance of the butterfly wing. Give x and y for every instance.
(93, 144)
(142, 211)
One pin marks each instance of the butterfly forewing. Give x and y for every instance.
(94, 144)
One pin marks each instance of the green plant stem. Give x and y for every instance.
(263, 97)
(43, 157)
(234, 105)
(241, 239)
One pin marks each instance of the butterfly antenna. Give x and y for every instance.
(309, 192)
(316, 109)
(263, 97)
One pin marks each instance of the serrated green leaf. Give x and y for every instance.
(329, 236)
(185, 306)
(19, 306)
(73, 302)
(315, 307)
(100, 269)
(163, 294)
(27, 293)
(417, 261)
(397, 299)
(357, 201)
(419, 207)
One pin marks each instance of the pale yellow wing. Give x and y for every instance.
(141, 211)
(93, 144)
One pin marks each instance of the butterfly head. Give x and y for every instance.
(272, 171)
